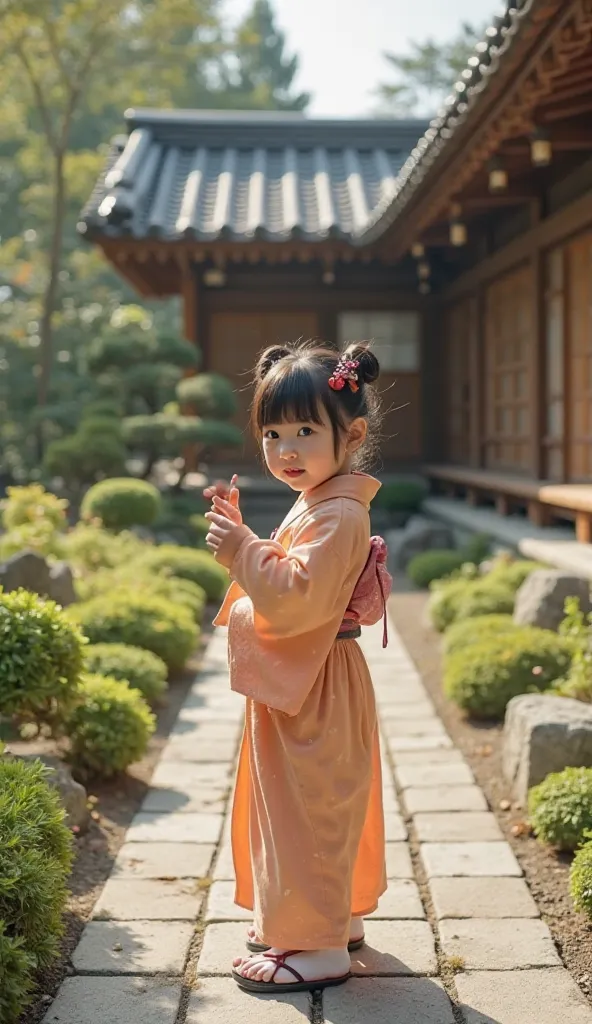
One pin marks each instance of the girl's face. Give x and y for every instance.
(303, 454)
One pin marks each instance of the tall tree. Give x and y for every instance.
(258, 74)
(425, 75)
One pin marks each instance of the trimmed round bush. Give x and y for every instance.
(469, 631)
(580, 879)
(560, 808)
(199, 528)
(198, 566)
(143, 670)
(428, 566)
(141, 620)
(90, 547)
(456, 599)
(109, 728)
(477, 548)
(40, 657)
(513, 574)
(27, 505)
(121, 503)
(401, 495)
(39, 536)
(129, 582)
(35, 861)
(210, 394)
(483, 677)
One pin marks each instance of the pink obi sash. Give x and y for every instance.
(368, 601)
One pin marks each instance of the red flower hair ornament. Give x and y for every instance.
(345, 371)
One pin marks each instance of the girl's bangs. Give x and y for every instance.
(291, 398)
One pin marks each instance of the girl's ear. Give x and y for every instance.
(356, 434)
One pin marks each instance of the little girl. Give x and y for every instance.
(307, 822)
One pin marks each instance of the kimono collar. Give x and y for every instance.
(359, 486)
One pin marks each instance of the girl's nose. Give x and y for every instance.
(288, 453)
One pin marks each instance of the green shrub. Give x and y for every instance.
(39, 536)
(199, 529)
(560, 808)
(198, 566)
(143, 670)
(401, 495)
(40, 657)
(108, 728)
(25, 506)
(456, 599)
(121, 503)
(483, 677)
(477, 548)
(512, 574)
(211, 395)
(89, 547)
(126, 581)
(577, 628)
(428, 566)
(580, 878)
(141, 620)
(475, 630)
(35, 860)
(86, 456)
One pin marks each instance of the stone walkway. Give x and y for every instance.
(457, 938)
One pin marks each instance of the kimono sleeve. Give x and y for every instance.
(297, 590)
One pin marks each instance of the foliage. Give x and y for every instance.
(40, 657)
(143, 670)
(89, 547)
(577, 628)
(142, 620)
(580, 878)
(560, 808)
(477, 548)
(484, 676)
(120, 503)
(512, 574)
(108, 728)
(200, 527)
(198, 566)
(428, 566)
(401, 495)
(209, 394)
(39, 536)
(87, 456)
(26, 506)
(457, 599)
(35, 860)
(126, 579)
(427, 73)
(476, 630)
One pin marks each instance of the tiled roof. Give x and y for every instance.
(210, 175)
(482, 68)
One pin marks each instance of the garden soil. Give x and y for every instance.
(546, 872)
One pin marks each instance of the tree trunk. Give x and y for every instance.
(50, 296)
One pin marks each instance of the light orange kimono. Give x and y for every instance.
(307, 823)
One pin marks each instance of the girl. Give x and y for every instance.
(307, 823)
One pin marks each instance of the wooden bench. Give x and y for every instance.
(542, 499)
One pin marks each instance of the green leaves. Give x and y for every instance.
(561, 808)
(109, 728)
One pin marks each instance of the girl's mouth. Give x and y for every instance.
(293, 472)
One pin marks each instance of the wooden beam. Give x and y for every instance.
(190, 305)
(562, 113)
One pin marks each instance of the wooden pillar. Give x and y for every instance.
(538, 347)
(189, 295)
(477, 377)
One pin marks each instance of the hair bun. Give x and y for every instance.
(369, 368)
(267, 359)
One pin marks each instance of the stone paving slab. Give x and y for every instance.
(396, 744)
(484, 860)
(482, 897)
(502, 945)
(438, 755)
(149, 899)
(430, 775)
(163, 860)
(396, 948)
(221, 905)
(386, 1000)
(522, 997)
(398, 712)
(445, 798)
(220, 1001)
(205, 733)
(175, 828)
(473, 826)
(133, 947)
(398, 861)
(183, 748)
(396, 727)
(400, 901)
(115, 1001)
(185, 801)
(221, 944)
(395, 828)
(189, 774)
(224, 865)
(411, 693)
(390, 802)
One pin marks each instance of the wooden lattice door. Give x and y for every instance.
(579, 360)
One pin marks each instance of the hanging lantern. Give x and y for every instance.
(423, 270)
(425, 288)
(458, 233)
(498, 175)
(418, 250)
(541, 148)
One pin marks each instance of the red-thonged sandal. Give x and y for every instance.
(300, 985)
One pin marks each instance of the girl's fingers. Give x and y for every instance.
(223, 522)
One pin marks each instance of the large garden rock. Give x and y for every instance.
(61, 584)
(30, 570)
(420, 534)
(72, 794)
(541, 598)
(543, 734)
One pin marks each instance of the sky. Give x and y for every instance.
(340, 42)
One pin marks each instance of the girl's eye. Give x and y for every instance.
(270, 435)
(309, 431)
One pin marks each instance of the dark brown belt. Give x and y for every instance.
(349, 634)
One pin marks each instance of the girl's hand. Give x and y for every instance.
(222, 490)
(226, 532)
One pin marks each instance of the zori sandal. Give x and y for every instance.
(259, 947)
(300, 985)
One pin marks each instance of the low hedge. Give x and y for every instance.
(40, 657)
(458, 599)
(428, 566)
(35, 861)
(560, 808)
(141, 620)
(122, 502)
(129, 581)
(580, 879)
(109, 728)
(143, 670)
(197, 566)
(483, 677)
(401, 495)
(513, 574)
(89, 547)
(466, 632)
